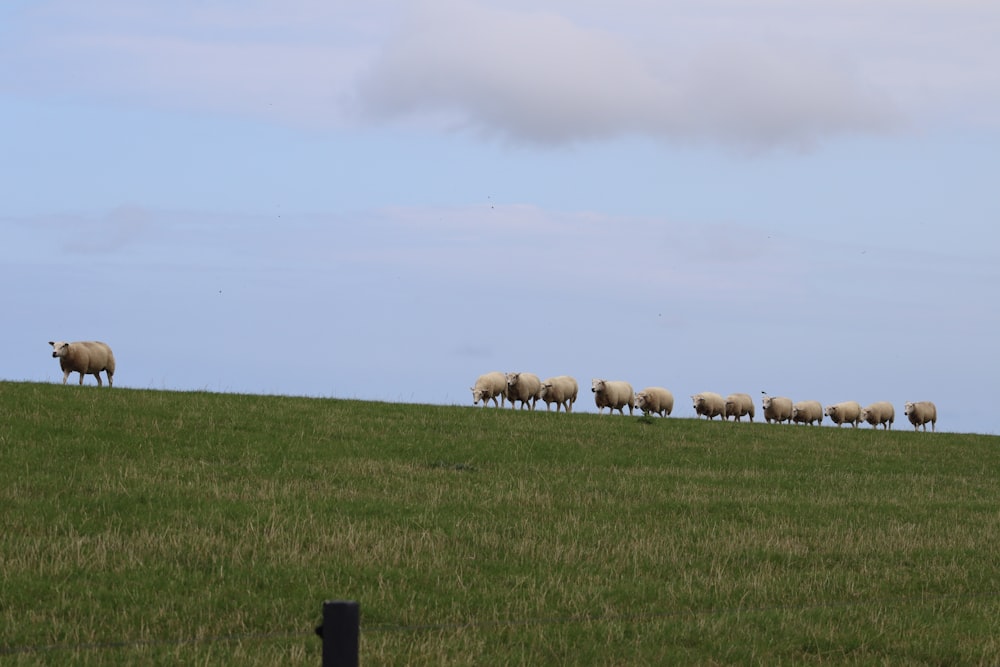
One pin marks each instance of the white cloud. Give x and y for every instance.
(532, 76)
(539, 77)
(755, 73)
(764, 95)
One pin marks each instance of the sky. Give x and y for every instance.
(383, 200)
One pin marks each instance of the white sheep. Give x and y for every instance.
(489, 387)
(920, 413)
(561, 390)
(845, 412)
(656, 400)
(807, 412)
(614, 394)
(738, 405)
(523, 387)
(85, 358)
(709, 404)
(880, 412)
(777, 408)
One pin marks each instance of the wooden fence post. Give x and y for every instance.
(340, 632)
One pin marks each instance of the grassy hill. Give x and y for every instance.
(147, 527)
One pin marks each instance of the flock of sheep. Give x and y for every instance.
(94, 357)
(562, 390)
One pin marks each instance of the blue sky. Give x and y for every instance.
(383, 200)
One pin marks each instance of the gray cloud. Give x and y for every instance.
(541, 78)
(755, 74)
(537, 77)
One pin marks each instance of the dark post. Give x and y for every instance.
(340, 630)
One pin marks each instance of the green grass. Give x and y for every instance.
(145, 527)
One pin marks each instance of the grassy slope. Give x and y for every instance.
(144, 526)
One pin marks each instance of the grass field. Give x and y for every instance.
(147, 527)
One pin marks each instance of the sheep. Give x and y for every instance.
(488, 387)
(523, 387)
(655, 399)
(710, 404)
(920, 413)
(561, 390)
(86, 358)
(613, 394)
(880, 412)
(807, 412)
(845, 412)
(777, 408)
(738, 405)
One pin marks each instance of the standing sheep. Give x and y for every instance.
(880, 412)
(523, 387)
(710, 404)
(738, 405)
(777, 408)
(920, 413)
(807, 412)
(86, 358)
(614, 394)
(845, 412)
(655, 399)
(561, 390)
(488, 387)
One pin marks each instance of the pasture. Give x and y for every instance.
(151, 527)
